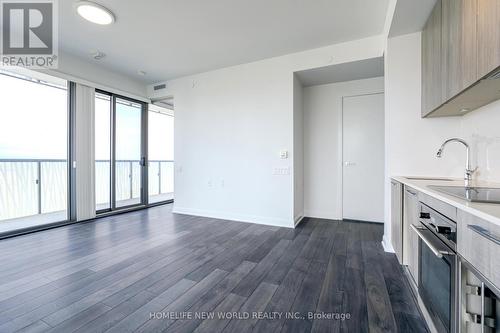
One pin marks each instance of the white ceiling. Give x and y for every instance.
(410, 16)
(173, 38)
(349, 71)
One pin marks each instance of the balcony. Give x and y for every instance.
(34, 191)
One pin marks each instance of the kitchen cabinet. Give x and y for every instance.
(488, 36)
(432, 90)
(478, 242)
(459, 49)
(410, 241)
(460, 57)
(397, 219)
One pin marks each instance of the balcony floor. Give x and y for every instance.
(31, 221)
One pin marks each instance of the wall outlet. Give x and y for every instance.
(281, 171)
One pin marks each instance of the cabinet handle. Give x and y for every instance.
(410, 192)
(485, 233)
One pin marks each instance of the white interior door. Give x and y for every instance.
(363, 158)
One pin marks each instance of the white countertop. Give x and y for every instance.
(487, 211)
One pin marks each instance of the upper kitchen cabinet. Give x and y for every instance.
(488, 36)
(432, 90)
(460, 50)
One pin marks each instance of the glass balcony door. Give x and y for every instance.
(129, 161)
(103, 121)
(120, 153)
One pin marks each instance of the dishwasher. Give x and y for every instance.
(480, 302)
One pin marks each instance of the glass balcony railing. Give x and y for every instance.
(39, 186)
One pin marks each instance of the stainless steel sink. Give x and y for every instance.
(430, 178)
(472, 194)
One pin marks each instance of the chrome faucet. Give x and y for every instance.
(468, 169)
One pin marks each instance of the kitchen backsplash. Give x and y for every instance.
(482, 129)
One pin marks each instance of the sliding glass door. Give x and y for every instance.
(102, 151)
(128, 152)
(120, 153)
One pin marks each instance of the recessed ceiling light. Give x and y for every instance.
(98, 55)
(94, 12)
(464, 110)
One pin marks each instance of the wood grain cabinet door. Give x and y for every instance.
(432, 87)
(459, 49)
(488, 36)
(478, 242)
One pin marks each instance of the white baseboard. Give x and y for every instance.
(387, 245)
(298, 219)
(322, 215)
(235, 217)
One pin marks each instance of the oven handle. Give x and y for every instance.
(437, 253)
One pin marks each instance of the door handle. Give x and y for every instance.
(347, 164)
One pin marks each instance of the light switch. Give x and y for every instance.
(284, 154)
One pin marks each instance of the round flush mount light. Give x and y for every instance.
(94, 12)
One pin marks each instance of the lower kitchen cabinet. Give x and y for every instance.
(410, 239)
(458, 289)
(478, 242)
(397, 219)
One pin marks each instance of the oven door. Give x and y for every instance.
(437, 273)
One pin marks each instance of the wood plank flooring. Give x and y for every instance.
(154, 271)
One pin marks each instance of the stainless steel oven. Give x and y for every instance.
(437, 267)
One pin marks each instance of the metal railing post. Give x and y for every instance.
(39, 182)
(131, 179)
(159, 177)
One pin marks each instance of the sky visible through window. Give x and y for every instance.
(33, 125)
(33, 120)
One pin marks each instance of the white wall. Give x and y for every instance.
(323, 144)
(230, 127)
(298, 150)
(412, 142)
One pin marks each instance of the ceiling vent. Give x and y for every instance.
(159, 87)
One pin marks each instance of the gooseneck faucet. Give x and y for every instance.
(468, 169)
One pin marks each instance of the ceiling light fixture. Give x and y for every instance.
(94, 12)
(98, 55)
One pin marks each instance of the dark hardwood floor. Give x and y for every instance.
(154, 271)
